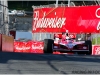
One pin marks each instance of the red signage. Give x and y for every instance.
(28, 47)
(37, 47)
(96, 50)
(81, 19)
(48, 20)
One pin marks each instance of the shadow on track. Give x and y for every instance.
(5, 56)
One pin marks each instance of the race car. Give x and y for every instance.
(68, 45)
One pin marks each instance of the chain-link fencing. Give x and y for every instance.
(20, 23)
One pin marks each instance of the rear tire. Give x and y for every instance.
(48, 46)
(89, 43)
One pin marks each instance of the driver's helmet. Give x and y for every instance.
(67, 31)
(67, 38)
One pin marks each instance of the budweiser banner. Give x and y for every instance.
(37, 47)
(75, 19)
(28, 47)
(48, 20)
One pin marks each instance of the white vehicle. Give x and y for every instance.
(20, 13)
(15, 12)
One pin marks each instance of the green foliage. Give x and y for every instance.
(27, 5)
(20, 5)
(96, 41)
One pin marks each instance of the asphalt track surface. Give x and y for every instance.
(23, 63)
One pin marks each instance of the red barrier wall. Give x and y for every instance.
(95, 49)
(0, 42)
(22, 46)
(28, 47)
(7, 43)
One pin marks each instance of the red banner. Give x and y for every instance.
(28, 47)
(48, 20)
(37, 47)
(75, 19)
(96, 50)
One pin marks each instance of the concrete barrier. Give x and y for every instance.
(7, 43)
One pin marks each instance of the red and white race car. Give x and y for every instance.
(68, 45)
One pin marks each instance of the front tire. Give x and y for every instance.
(48, 46)
(89, 43)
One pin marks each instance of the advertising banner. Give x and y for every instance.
(28, 47)
(96, 50)
(83, 19)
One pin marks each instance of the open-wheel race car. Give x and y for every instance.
(68, 45)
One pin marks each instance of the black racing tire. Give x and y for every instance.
(89, 43)
(48, 46)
